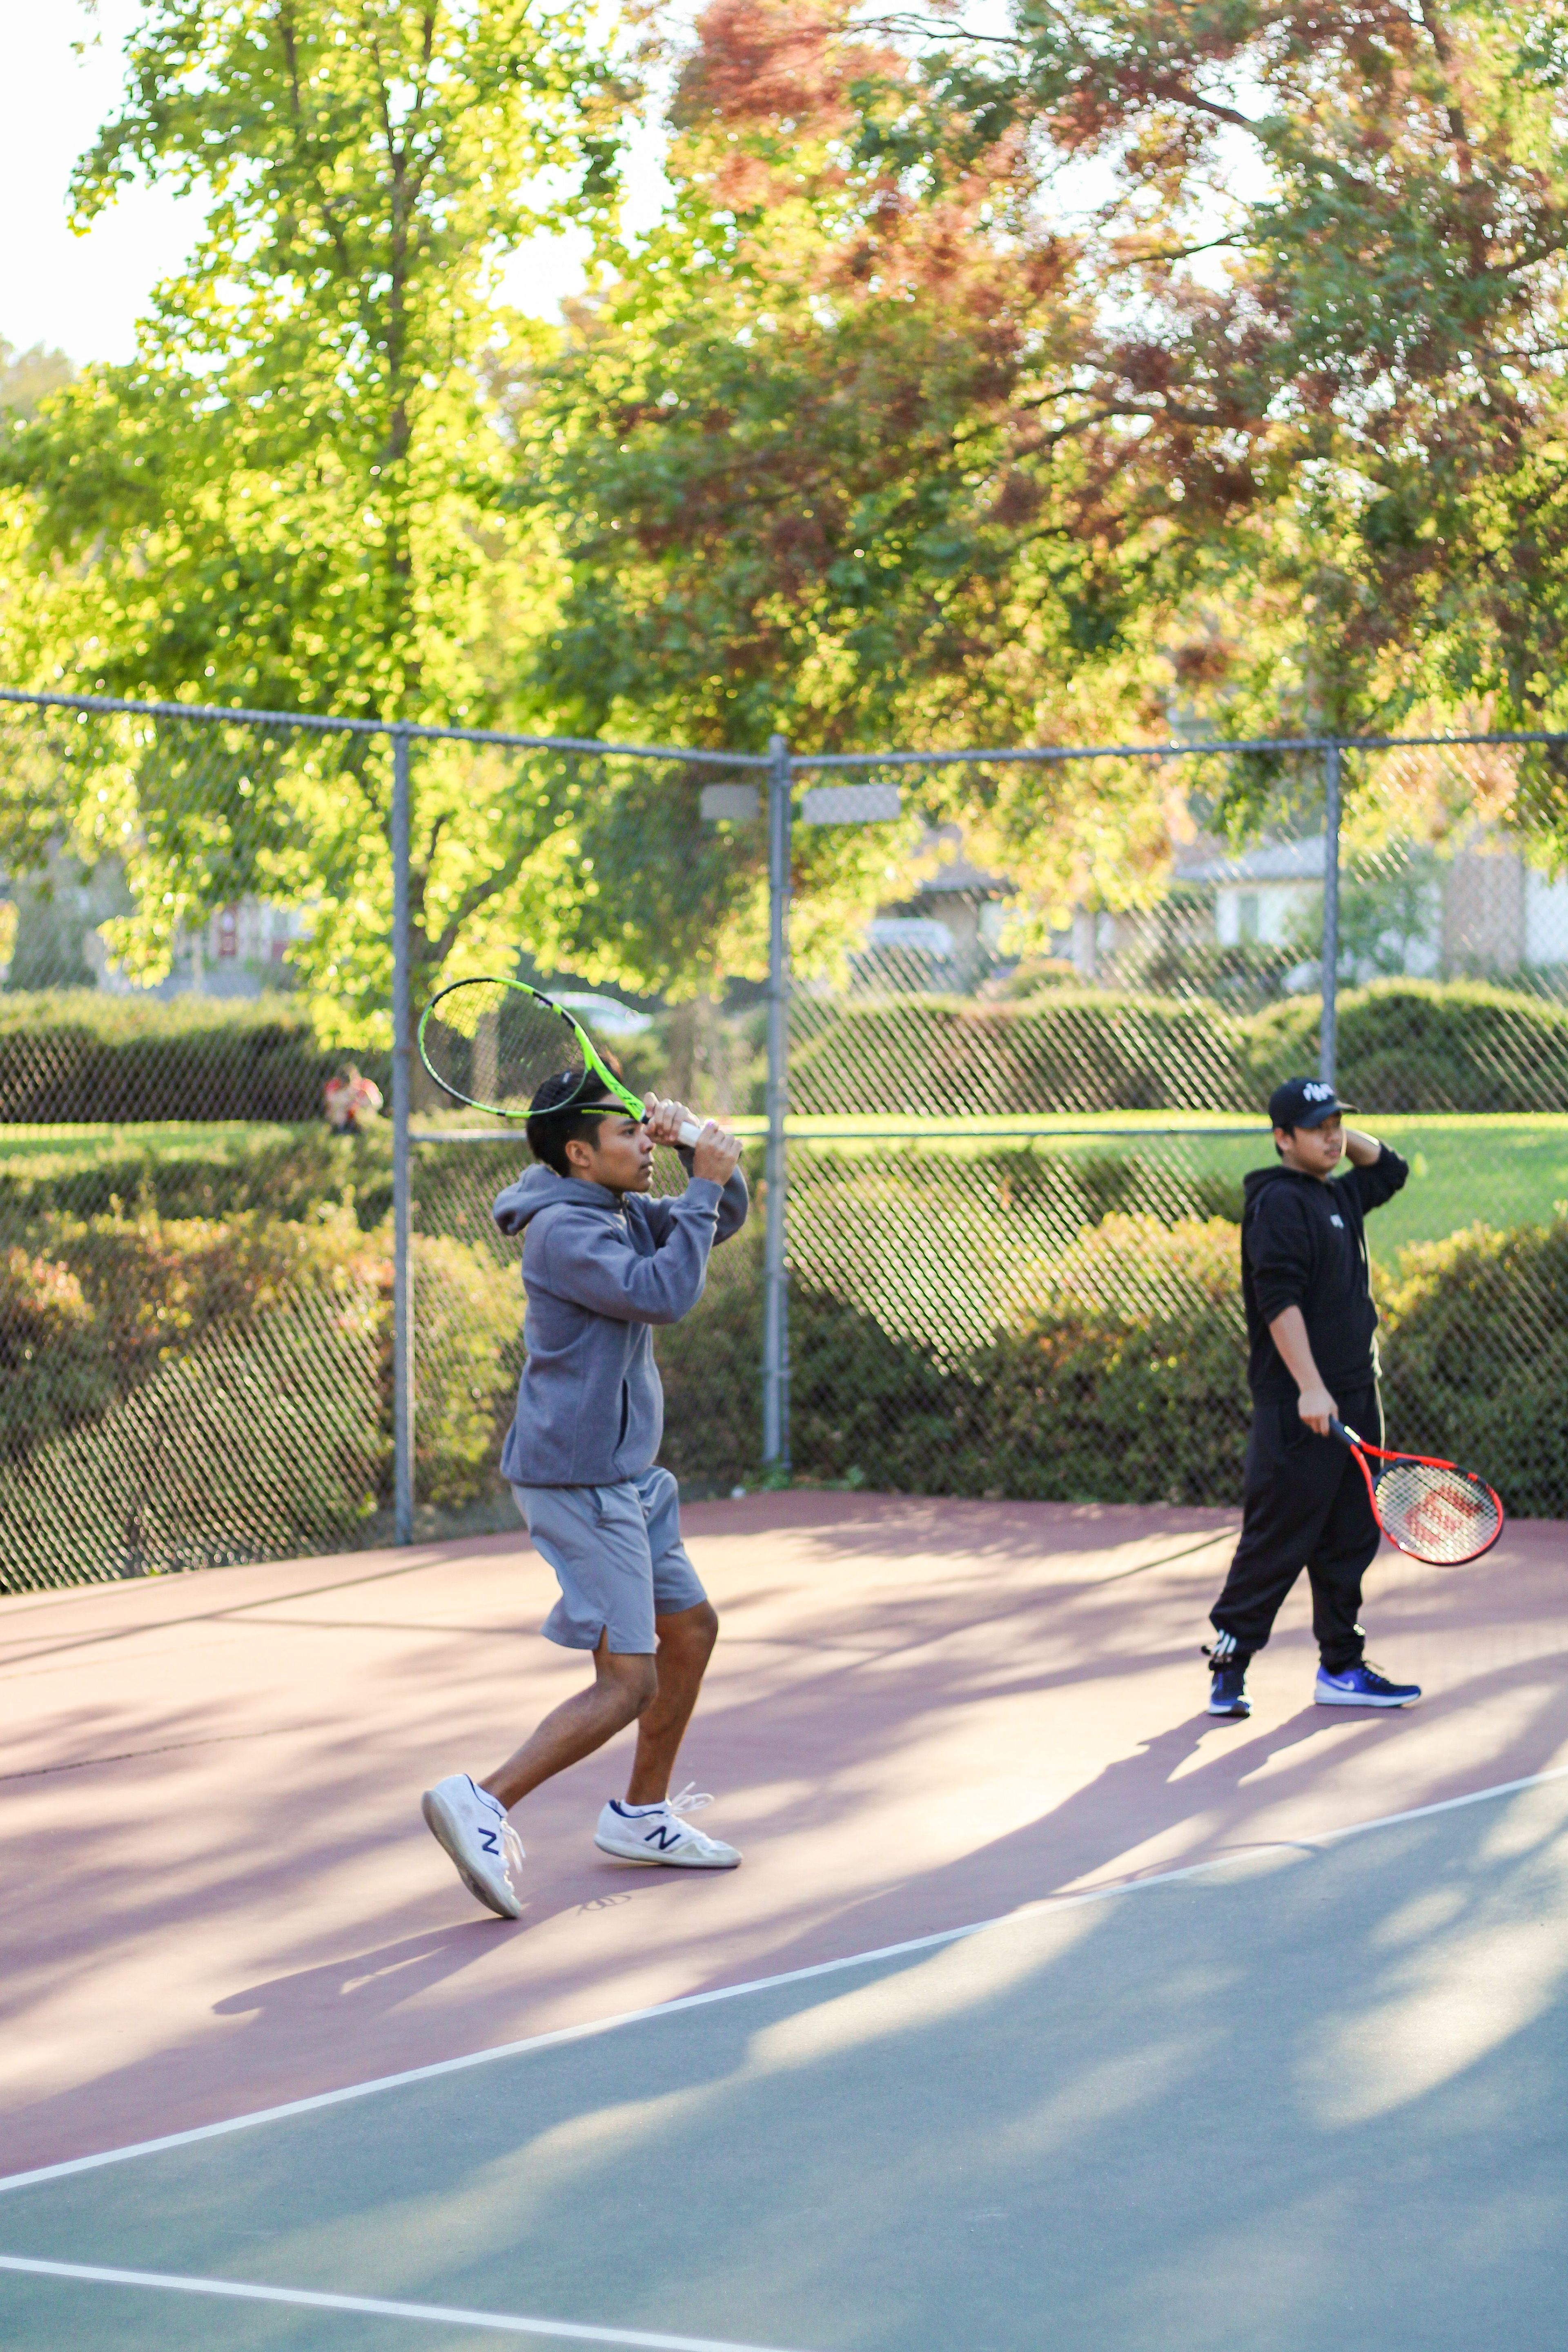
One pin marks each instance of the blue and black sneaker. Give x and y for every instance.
(1227, 1687)
(1363, 1685)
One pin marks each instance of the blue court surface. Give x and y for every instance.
(1315, 2096)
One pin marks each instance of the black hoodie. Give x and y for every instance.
(1303, 1244)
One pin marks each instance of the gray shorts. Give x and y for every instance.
(618, 1560)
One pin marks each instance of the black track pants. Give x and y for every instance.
(1304, 1507)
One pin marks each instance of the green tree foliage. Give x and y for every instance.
(1027, 384)
(794, 467)
(1151, 354)
(289, 499)
(28, 377)
(289, 491)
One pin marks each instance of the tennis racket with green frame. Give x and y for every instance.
(493, 1044)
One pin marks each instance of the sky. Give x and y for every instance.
(83, 295)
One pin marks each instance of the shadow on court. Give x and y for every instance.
(1317, 2096)
(922, 1714)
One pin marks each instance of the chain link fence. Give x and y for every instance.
(1015, 1205)
(194, 1273)
(198, 1256)
(1020, 1120)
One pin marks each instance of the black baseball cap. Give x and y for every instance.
(568, 1092)
(1304, 1102)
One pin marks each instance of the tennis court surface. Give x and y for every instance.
(1262, 2046)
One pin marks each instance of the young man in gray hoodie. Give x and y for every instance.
(602, 1264)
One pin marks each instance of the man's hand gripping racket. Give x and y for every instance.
(493, 1044)
(1433, 1510)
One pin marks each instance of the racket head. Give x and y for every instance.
(1436, 1511)
(492, 1043)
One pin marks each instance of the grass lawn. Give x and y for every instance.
(59, 1151)
(1499, 1171)
(1493, 1170)
(1464, 1171)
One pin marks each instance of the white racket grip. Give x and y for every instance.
(690, 1131)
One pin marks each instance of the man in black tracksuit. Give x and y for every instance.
(1310, 1327)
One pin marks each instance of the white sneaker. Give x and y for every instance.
(662, 1834)
(480, 1838)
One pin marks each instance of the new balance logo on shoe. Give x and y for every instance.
(662, 1836)
(481, 1843)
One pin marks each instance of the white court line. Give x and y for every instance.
(506, 2322)
(563, 2034)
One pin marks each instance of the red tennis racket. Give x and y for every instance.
(1433, 1510)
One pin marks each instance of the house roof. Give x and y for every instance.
(955, 872)
(1280, 861)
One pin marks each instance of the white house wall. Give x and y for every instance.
(1545, 920)
(1281, 909)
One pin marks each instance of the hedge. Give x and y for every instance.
(67, 1056)
(1101, 1394)
(1066, 1049)
(1111, 1392)
(1477, 1359)
(180, 1391)
(1424, 1046)
(1404, 1046)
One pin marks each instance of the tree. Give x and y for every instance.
(1150, 352)
(794, 470)
(26, 377)
(289, 499)
(1332, 264)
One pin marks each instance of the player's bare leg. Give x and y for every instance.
(685, 1646)
(648, 1824)
(621, 1689)
(657, 1694)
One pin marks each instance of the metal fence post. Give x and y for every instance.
(402, 1088)
(1328, 1028)
(776, 1279)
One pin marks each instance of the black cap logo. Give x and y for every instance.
(1304, 1102)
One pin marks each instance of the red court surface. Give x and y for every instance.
(221, 1896)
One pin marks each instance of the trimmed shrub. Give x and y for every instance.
(1120, 1387)
(1405, 1046)
(1129, 1384)
(177, 1391)
(708, 1362)
(467, 1315)
(91, 1306)
(78, 1054)
(1476, 1359)
(1066, 1049)
(1424, 1045)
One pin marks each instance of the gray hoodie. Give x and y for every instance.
(599, 1270)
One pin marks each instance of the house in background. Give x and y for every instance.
(946, 934)
(240, 951)
(52, 935)
(1482, 910)
(1266, 897)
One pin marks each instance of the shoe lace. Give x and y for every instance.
(690, 1800)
